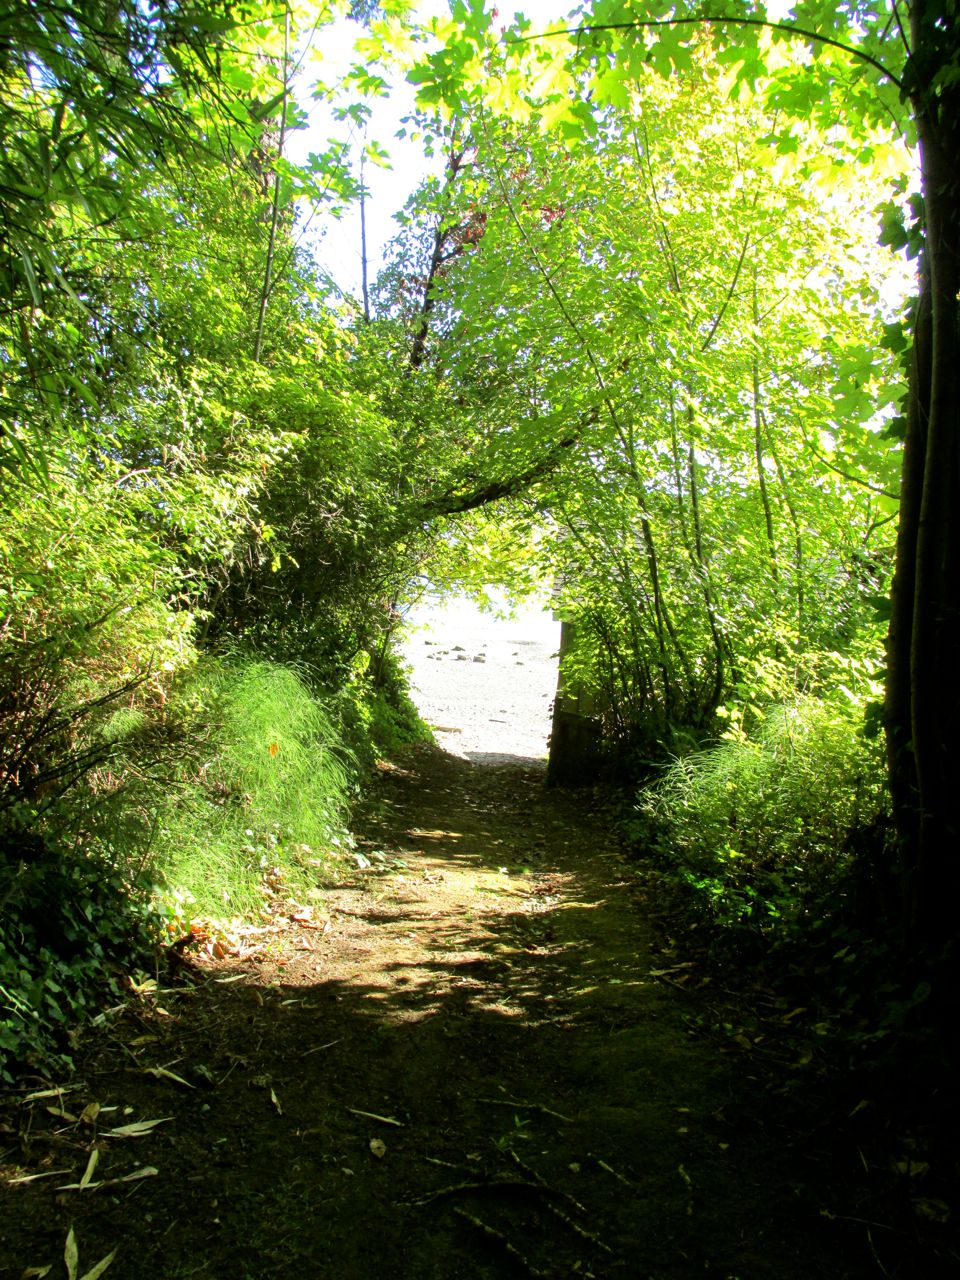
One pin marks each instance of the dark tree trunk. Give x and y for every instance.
(923, 691)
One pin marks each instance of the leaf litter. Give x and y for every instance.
(575, 1063)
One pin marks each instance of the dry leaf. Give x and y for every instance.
(794, 1013)
(276, 1102)
(35, 1273)
(932, 1210)
(145, 1171)
(372, 1115)
(62, 1115)
(91, 1166)
(49, 1093)
(96, 1272)
(137, 1129)
(89, 1113)
(161, 1073)
(34, 1177)
(71, 1256)
(378, 1148)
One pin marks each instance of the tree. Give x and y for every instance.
(854, 67)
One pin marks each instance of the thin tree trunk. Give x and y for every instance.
(703, 572)
(267, 286)
(758, 448)
(364, 281)
(794, 520)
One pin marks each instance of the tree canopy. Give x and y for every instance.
(642, 337)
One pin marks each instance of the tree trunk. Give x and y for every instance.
(923, 692)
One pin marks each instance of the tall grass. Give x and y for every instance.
(266, 801)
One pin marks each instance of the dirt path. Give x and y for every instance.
(490, 990)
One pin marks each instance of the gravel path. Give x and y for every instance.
(484, 684)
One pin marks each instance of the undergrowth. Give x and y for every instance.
(771, 853)
(262, 803)
(759, 827)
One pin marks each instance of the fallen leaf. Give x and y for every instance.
(161, 1073)
(145, 1171)
(794, 1013)
(35, 1177)
(49, 1093)
(35, 1273)
(372, 1115)
(71, 1256)
(276, 1102)
(96, 1272)
(378, 1148)
(932, 1210)
(137, 1129)
(89, 1171)
(62, 1115)
(89, 1113)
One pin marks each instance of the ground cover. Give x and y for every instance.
(478, 1059)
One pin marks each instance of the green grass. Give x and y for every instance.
(264, 805)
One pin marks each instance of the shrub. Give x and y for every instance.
(758, 828)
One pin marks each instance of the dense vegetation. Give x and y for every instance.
(643, 335)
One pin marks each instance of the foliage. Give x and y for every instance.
(260, 799)
(688, 380)
(762, 829)
(73, 925)
(683, 405)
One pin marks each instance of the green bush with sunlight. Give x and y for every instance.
(761, 826)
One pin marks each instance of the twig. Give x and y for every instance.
(495, 1184)
(328, 1045)
(493, 1234)
(372, 1115)
(561, 1195)
(576, 1228)
(541, 1180)
(447, 1164)
(876, 1256)
(607, 1169)
(525, 1106)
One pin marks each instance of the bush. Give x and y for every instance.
(757, 829)
(71, 925)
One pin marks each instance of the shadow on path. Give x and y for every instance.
(475, 1071)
